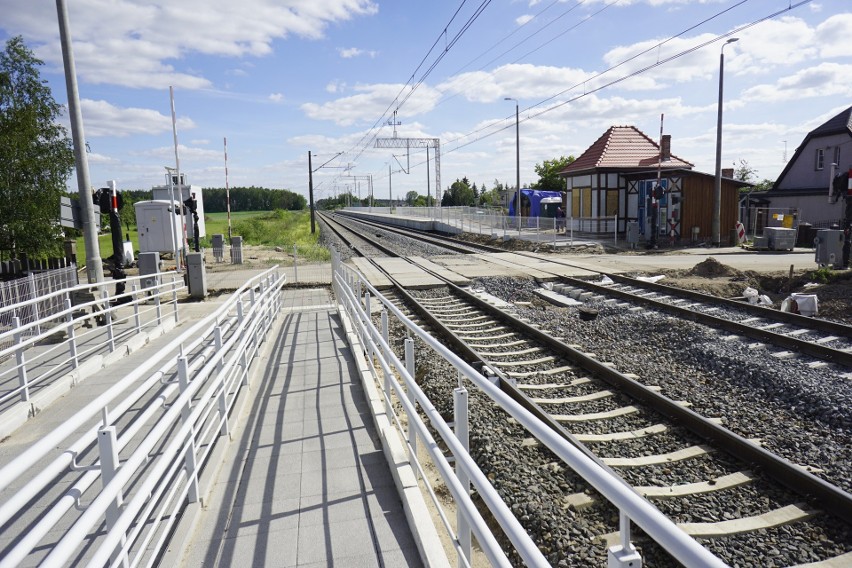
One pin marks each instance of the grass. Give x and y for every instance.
(258, 228)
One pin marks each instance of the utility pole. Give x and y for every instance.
(94, 265)
(311, 192)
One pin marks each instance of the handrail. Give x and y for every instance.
(659, 527)
(200, 399)
(531, 555)
(128, 306)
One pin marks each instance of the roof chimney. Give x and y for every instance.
(727, 172)
(666, 148)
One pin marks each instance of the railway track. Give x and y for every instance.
(721, 487)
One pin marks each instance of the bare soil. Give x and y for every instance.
(832, 288)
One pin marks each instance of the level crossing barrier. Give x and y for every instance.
(396, 378)
(114, 478)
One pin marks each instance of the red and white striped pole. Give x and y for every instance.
(227, 190)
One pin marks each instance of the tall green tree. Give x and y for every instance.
(36, 156)
(411, 198)
(548, 174)
(459, 193)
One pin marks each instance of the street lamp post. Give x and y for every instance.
(717, 189)
(517, 161)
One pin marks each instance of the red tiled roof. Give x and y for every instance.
(622, 147)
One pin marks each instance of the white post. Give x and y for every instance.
(108, 316)
(412, 433)
(295, 265)
(136, 317)
(108, 453)
(462, 430)
(72, 339)
(34, 297)
(21, 362)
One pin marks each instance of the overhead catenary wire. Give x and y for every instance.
(367, 139)
(623, 78)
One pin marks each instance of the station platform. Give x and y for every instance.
(305, 481)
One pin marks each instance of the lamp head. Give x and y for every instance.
(732, 40)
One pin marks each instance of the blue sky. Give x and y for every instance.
(279, 79)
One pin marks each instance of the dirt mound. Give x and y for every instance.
(712, 268)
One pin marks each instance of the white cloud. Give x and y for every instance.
(350, 52)
(104, 119)
(526, 18)
(186, 153)
(522, 81)
(335, 86)
(133, 44)
(370, 102)
(199, 142)
(276, 97)
(818, 81)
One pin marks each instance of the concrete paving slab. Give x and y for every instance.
(307, 476)
(444, 272)
(371, 273)
(409, 275)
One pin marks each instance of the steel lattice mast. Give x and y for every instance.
(409, 143)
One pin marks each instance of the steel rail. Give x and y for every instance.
(829, 497)
(809, 348)
(641, 511)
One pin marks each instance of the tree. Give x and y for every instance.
(411, 198)
(548, 174)
(744, 172)
(36, 156)
(459, 193)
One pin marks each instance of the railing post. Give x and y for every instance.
(412, 432)
(108, 317)
(108, 453)
(174, 299)
(462, 430)
(623, 554)
(191, 470)
(217, 341)
(34, 295)
(72, 339)
(385, 333)
(136, 317)
(367, 312)
(295, 265)
(223, 412)
(21, 361)
(157, 307)
(183, 383)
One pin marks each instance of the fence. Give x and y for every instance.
(163, 419)
(493, 222)
(36, 285)
(47, 350)
(399, 389)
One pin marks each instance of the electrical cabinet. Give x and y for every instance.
(159, 228)
(829, 248)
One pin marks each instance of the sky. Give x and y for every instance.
(280, 79)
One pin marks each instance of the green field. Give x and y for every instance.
(258, 228)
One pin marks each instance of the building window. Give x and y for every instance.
(837, 155)
(820, 159)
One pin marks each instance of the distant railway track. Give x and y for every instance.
(721, 487)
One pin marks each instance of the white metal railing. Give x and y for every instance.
(493, 222)
(146, 450)
(397, 378)
(19, 292)
(39, 358)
